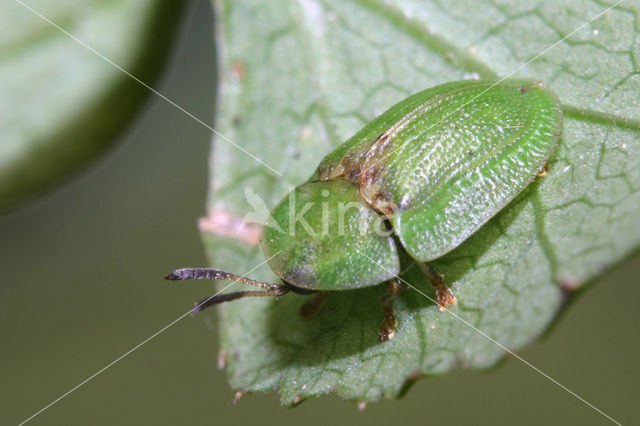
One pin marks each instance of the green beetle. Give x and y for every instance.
(422, 177)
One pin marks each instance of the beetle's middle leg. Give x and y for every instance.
(312, 306)
(444, 295)
(389, 320)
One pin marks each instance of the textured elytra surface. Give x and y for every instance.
(450, 163)
(300, 78)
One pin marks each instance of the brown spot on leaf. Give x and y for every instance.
(569, 284)
(239, 395)
(222, 360)
(225, 224)
(238, 70)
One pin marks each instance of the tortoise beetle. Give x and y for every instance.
(422, 177)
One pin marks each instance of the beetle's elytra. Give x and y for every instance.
(422, 177)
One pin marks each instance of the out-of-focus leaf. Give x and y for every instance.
(298, 78)
(61, 104)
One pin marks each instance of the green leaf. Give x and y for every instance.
(61, 104)
(300, 78)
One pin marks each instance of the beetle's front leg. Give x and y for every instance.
(389, 320)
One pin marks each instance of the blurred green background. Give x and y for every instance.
(82, 284)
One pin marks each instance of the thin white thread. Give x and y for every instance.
(91, 377)
(503, 347)
(172, 103)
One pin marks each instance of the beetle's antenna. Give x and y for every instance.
(216, 274)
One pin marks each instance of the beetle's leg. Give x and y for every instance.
(389, 321)
(313, 305)
(444, 295)
(216, 274)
